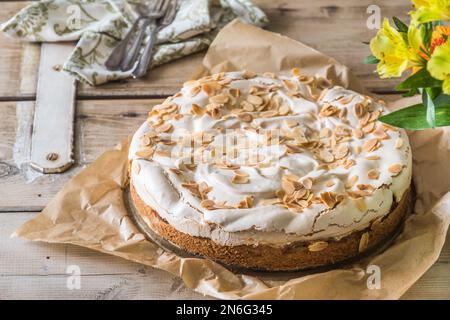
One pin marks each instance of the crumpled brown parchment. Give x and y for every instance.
(89, 211)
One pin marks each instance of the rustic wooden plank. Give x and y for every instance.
(99, 126)
(338, 30)
(29, 270)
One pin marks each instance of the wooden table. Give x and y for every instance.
(108, 113)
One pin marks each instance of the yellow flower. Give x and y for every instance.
(395, 52)
(430, 10)
(439, 65)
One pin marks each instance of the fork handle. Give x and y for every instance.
(146, 57)
(114, 60)
(132, 55)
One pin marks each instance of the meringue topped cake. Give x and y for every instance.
(270, 172)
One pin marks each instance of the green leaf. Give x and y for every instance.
(415, 117)
(427, 100)
(371, 60)
(420, 79)
(427, 30)
(401, 27)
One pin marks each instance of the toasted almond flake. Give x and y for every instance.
(346, 99)
(270, 201)
(341, 151)
(284, 110)
(370, 145)
(398, 143)
(318, 246)
(247, 106)
(240, 179)
(351, 181)
(307, 183)
(364, 186)
(328, 110)
(220, 98)
(359, 110)
(306, 79)
(166, 127)
(359, 133)
(364, 242)
(328, 198)
(373, 157)
(325, 133)
(145, 152)
(348, 163)
(343, 113)
(269, 114)
(326, 155)
(246, 117)
(373, 174)
(291, 148)
(395, 169)
(291, 123)
(248, 74)
(255, 100)
(358, 149)
(197, 110)
(145, 141)
(381, 134)
(195, 90)
(287, 186)
(329, 183)
(207, 89)
(368, 128)
(375, 115)
(240, 173)
(207, 204)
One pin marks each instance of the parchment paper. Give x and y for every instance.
(89, 211)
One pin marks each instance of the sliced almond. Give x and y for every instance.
(398, 143)
(145, 152)
(238, 179)
(246, 117)
(255, 100)
(197, 110)
(370, 145)
(373, 157)
(166, 127)
(373, 174)
(318, 246)
(359, 133)
(287, 186)
(307, 183)
(326, 155)
(363, 242)
(291, 123)
(220, 98)
(395, 169)
(341, 151)
(328, 198)
(207, 204)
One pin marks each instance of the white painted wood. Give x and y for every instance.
(52, 137)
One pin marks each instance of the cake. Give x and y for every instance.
(270, 172)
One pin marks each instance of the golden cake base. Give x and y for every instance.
(292, 257)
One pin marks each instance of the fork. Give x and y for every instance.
(117, 59)
(143, 64)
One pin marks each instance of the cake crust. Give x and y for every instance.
(298, 255)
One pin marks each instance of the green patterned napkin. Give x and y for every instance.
(99, 25)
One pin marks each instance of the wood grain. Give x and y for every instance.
(337, 29)
(40, 271)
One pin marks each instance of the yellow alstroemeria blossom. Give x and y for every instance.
(396, 54)
(439, 65)
(430, 10)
